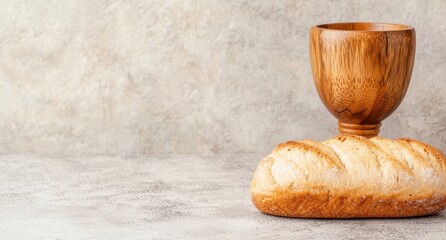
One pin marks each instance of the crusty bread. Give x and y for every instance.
(351, 177)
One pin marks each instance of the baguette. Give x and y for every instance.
(350, 176)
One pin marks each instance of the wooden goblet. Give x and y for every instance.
(362, 71)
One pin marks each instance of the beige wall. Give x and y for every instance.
(131, 77)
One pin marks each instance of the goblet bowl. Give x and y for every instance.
(362, 71)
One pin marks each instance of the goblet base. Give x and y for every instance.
(365, 130)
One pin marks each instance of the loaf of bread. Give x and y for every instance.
(351, 177)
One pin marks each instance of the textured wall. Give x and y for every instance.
(131, 77)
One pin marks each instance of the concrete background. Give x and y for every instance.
(200, 77)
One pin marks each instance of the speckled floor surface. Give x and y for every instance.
(163, 197)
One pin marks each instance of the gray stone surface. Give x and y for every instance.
(164, 197)
(191, 76)
(84, 78)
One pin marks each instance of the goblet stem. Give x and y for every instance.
(365, 130)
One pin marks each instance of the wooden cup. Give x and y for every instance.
(362, 71)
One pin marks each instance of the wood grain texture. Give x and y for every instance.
(362, 71)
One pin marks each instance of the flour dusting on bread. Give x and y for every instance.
(351, 176)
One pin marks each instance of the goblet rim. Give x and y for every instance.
(386, 27)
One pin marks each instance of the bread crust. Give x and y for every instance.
(351, 177)
(330, 205)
